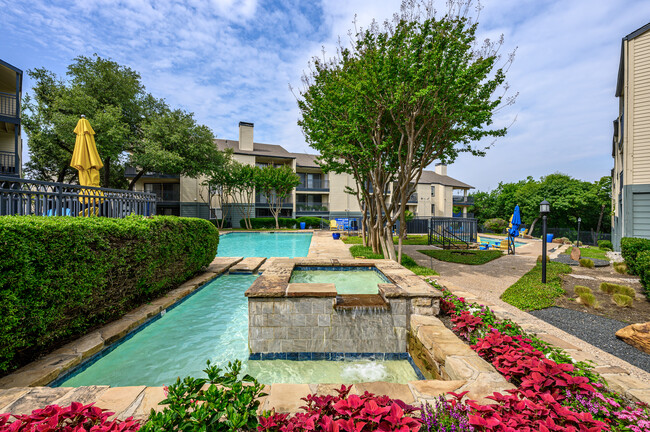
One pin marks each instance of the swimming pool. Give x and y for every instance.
(213, 324)
(495, 242)
(348, 280)
(264, 244)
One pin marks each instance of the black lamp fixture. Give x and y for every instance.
(578, 240)
(544, 210)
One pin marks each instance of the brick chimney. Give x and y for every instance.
(246, 136)
(441, 169)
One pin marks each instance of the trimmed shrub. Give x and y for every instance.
(586, 262)
(588, 299)
(496, 225)
(620, 267)
(605, 245)
(643, 268)
(611, 288)
(630, 248)
(62, 276)
(622, 300)
(269, 223)
(579, 289)
(312, 221)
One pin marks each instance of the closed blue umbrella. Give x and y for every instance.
(515, 222)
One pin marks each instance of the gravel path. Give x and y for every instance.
(596, 330)
(566, 259)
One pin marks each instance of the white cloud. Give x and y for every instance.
(231, 61)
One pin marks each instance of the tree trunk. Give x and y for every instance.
(600, 221)
(532, 227)
(62, 174)
(107, 172)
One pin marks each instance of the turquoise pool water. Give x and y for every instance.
(494, 242)
(213, 324)
(264, 244)
(361, 280)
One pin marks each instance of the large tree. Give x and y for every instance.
(276, 184)
(132, 127)
(403, 95)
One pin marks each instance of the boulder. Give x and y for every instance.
(575, 254)
(637, 335)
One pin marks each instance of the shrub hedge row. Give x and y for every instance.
(62, 276)
(636, 252)
(269, 222)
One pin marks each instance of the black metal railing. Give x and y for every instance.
(304, 207)
(463, 200)
(260, 200)
(8, 104)
(38, 198)
(315, 184)
(417, 226)
(452, 232)
(7, 163)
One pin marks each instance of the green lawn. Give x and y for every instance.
(411, 240)
(589, 252)
(407, 261)
(529, 293)
(472, 257)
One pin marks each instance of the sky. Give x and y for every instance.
(229, 61)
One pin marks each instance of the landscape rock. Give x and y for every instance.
(575, 254)
(637, 335)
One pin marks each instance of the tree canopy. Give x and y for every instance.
(401, 96)
(570, 199)
(132, 126)
(276, 184)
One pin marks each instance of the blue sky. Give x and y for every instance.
(229, 61)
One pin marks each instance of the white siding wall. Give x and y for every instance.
(640, 104)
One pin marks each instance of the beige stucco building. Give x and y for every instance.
(11, 143)
(631, 141)
(319, 194)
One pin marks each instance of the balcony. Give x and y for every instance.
(413, 199)
(314, 185)
(307, 209)
(8, 106)
(463, 201)
(261, 201)
(8, 163)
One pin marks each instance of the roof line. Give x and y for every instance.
(13, 68)
(621, 68)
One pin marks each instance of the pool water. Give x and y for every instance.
(361, 280)
(264, 244)
(213, 324)
(494, 242)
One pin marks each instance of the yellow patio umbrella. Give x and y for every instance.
(85, 157)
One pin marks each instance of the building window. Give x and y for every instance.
(164, 191)
(433, 190)
(433, 209)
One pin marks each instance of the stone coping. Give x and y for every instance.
(47, 369)
(274, 282)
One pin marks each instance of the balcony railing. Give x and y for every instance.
(30, 197)
(8, 104)
(318, 185)
(313, 208)
(7, 163)
(261, 201)
(462, 200)
(413, 198)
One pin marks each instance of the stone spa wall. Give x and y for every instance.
(310, 318)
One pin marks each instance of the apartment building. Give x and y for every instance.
(11, 143)
(319, 194)
(631, 140)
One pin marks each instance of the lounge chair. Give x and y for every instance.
(333, 225)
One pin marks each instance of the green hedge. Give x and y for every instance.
(62, 276)
(313, 221)
(268, 222)
(630, 248)
(643, 268)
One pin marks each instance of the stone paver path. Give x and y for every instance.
(324, 246)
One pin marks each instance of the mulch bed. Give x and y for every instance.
(639, 312)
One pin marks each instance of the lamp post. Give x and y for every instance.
(578, 240)
(544, 209)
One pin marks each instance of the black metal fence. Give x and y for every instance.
(587, 235)
(452, 232)
(32, 197)
(417, 226)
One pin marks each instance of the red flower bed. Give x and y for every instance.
(74, 418)
(345, 413)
